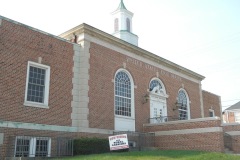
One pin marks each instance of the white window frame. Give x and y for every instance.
(132, 95)
(46, 89)
(213, 112)
(188, 103)
(33, 142)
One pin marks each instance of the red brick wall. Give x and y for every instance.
(18, 45)
(104, 63)
(205, 141)
(211, 101)
(232, 138)
(231, 127)
(198, 141)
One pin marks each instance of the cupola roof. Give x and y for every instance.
(121, 5)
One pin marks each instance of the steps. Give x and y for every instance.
(228, 151)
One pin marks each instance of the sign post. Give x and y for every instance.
(118, 142)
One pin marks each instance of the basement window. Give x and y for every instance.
(26, 146)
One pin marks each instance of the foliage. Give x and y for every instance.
(84, 146)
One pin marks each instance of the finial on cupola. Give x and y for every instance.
(121, 5)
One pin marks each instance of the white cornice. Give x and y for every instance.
(123, 11)
(94, 32)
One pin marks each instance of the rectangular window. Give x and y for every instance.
(237, 116)
(211, 113)
(26, 146)
(37, 85)
(22, 147)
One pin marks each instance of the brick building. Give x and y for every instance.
(86, 82)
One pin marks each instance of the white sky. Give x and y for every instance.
(201, 35)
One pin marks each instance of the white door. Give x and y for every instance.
(158, 112)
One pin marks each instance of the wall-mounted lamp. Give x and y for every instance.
(177, 105)
(145, 98)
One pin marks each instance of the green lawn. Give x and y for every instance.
(158, 155)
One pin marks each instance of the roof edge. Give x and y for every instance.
(34, 29)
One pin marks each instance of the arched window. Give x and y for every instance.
(128, 24)
(116, 25)
(183, 108)
(154, 83)
(123, 94)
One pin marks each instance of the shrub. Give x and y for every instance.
(90, 146)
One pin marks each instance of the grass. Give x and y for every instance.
(158, 155)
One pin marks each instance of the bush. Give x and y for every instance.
(90, 146)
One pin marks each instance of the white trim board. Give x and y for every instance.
(34, 126)
(189, 131)
(184, 121)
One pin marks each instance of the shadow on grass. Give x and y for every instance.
(157, 155)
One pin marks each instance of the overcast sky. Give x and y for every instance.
(201, 35)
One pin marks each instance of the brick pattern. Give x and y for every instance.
(233, 127)
(211, 101)
(104, 63)
(18, 45)
(198, 141)
(209, 141)
(232, 142)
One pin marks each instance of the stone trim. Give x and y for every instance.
(189, 131)
(231, 124)
(80, 89)
(233, 133)
(34, 126)
(184, 121)
(0, 21)
(201, 100)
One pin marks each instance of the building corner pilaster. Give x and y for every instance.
(80, 89)
(201, 100)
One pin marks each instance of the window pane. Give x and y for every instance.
(183, 108)
(122, 94)
(155, 83)
(41, 148)
(36, 84)
(22, 147)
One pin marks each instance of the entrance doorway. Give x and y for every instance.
(158, 102)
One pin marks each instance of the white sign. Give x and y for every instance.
(118, 142)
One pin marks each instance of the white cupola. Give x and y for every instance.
(123, 24)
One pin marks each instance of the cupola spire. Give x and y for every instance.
(123, 24)
(121, 5)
